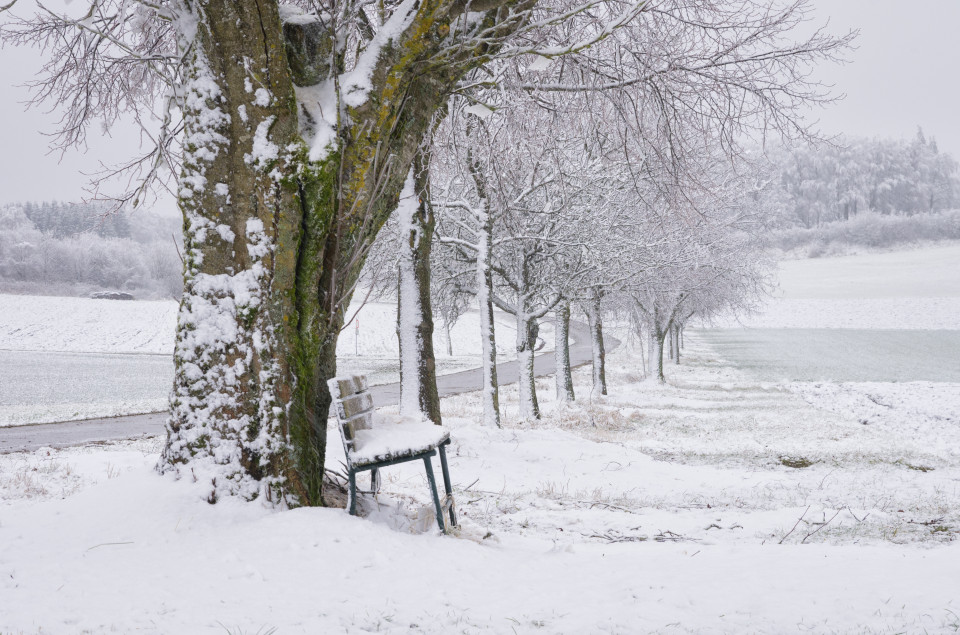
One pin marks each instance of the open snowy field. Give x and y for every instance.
(783, 480)
(841, 354)
(927, 272)
(63, 359)
(711, 504)
(913, 289)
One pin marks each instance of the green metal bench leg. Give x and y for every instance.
(446, 483)
(433, 489)
(352, 495)
(375, 481)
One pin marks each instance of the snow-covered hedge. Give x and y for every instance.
(869, 229)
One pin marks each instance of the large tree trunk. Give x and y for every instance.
(276, 232)
(244, 402)
(561, 352)
(418, 374)
(595, 319)
(527, 332)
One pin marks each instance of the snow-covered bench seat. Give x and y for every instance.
(372, 441)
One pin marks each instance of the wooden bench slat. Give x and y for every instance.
(348, 386)
(362, 421)
(354, 405)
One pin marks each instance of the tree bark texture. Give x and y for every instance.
(595, 320)
(418, 370)
(675, 343)
(488, 342)
(657, 340)
(527, 332)
(448, 338)
(561, 351)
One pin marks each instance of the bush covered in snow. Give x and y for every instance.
(868, 229)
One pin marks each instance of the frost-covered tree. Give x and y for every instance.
(463, 197)
(533, 174)
(709, 256)
(415, 223)
(827, 182)
(291, 130)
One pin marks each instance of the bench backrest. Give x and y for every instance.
(353, 406)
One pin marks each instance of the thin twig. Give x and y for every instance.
(794, 525)
(107, 544)
(822, 525)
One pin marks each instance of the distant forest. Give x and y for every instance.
(78, 249)
(869, 192)
(827, 183)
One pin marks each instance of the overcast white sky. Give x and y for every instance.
(902, 75)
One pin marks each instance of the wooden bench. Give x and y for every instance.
(372, 441)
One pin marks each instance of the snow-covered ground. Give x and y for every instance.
(711, 504)
(841, 354)
(930, 272)
(730, 499)
(45, 386)
(75, 358)
(81, 325)
(913, 289)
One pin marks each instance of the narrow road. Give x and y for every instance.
(56, 435)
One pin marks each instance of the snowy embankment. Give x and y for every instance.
(913, 289)
(64, 359)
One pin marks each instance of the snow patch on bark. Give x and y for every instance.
(202, 100)
(264, 151)
(224, 339)
(318, 117)
(355, 84)
(410, 313)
